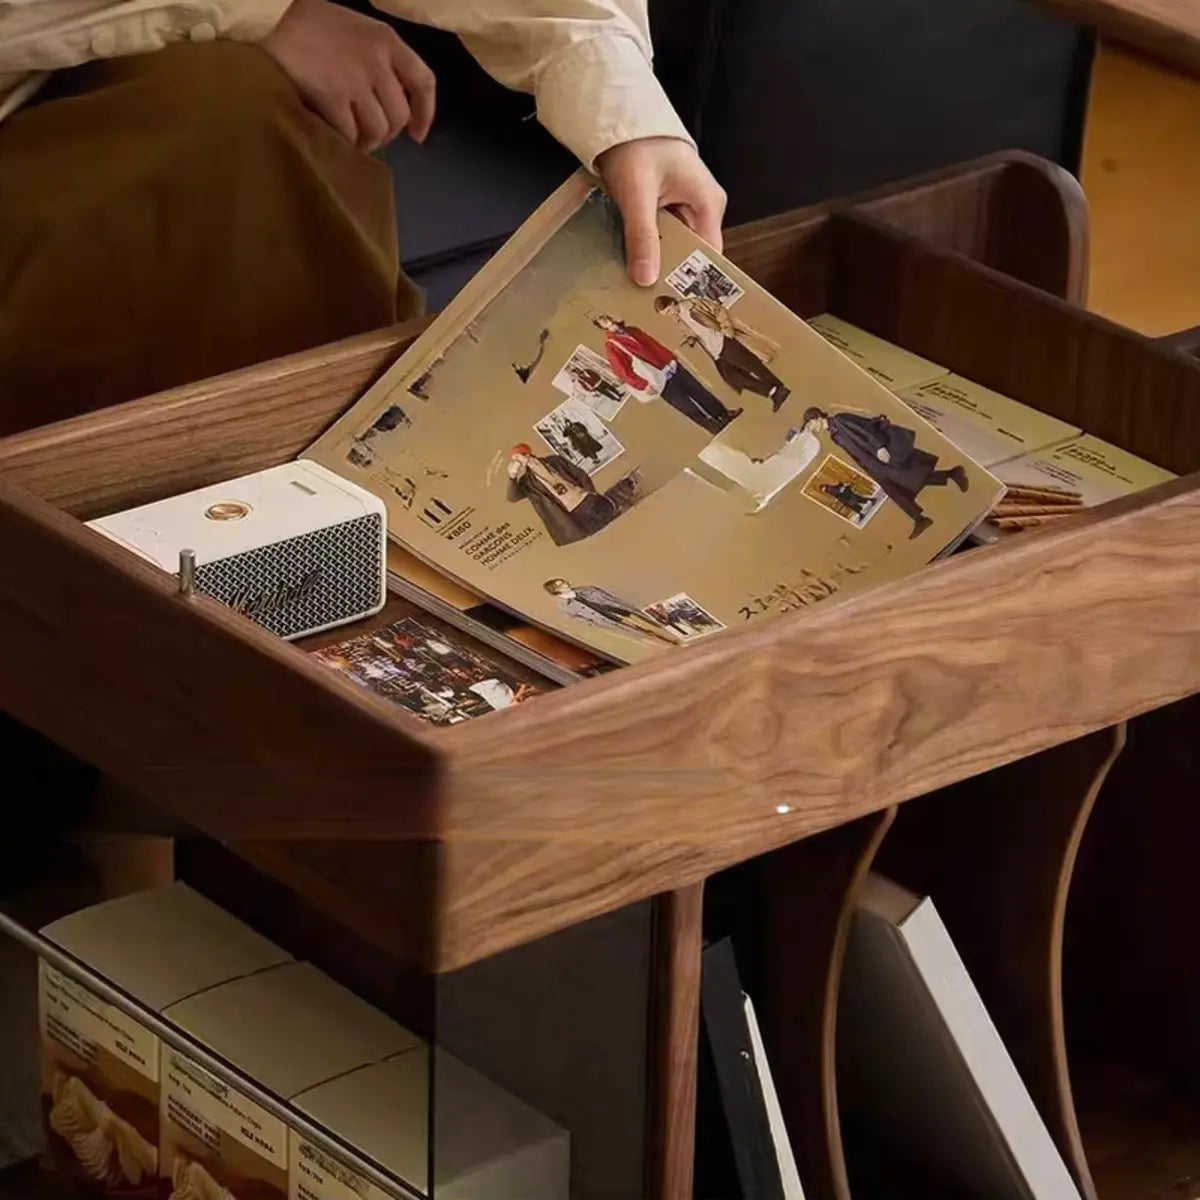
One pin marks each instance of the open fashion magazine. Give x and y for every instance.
(637, 469)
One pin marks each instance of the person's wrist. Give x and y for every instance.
(637, 145)
(257, 21)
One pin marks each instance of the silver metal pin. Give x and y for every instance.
(187, 572)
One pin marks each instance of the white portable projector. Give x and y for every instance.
(295, 548)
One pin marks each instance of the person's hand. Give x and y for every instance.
(653, 173)
(354, 71)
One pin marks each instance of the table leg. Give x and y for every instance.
(674, 1044)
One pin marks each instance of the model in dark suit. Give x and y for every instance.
(846, 496)
(889, 455)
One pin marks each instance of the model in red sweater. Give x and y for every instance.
(650, 370)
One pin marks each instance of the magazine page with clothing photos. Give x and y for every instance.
(637, 469)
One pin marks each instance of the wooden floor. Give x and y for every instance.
(1141, 172)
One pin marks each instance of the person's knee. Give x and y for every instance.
(216, 96)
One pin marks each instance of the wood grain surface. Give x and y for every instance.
(180, 697)
(1082, 627)
(811, 892)
(202, 433)
(1168, 30)
(1011, 211)
(997, 854)
(1071, 363)
(674, 1042)
(849, 708)
(1026, 218)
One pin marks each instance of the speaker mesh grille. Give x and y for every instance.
(305, 582)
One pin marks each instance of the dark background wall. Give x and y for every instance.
(792, 101)
(801, 100)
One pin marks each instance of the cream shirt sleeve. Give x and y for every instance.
(586, 62)
(43, 35)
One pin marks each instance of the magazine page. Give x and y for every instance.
(415, 578)
(636, 469)
(1061, 480)
(425, 665)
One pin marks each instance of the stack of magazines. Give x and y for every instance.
(583, 473)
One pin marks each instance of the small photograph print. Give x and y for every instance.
(574, 431)
(699, 277)
(682, 614)
(423, 670)
(587, 377)
(845, 491)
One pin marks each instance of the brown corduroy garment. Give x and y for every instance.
(170, 216)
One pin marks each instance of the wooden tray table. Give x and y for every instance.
(437, 848)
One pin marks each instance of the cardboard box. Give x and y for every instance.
(354, 1072)
(287, 1029)
(487, 1142)
(100, 1066)
(314, 1174)
(143, 1119)
(99, 1088)
(215, 1143)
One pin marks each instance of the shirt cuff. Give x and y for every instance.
(249, 20)
(602, 93)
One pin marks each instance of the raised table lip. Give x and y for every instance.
(476, 752)
(393, 749)
(484, 766)
(22, 453)
(482, 795)
(993, 163)
(1093, 624)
